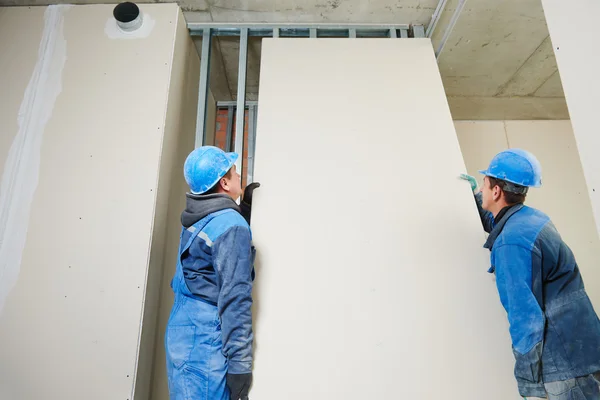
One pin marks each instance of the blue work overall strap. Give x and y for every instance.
(178, 283)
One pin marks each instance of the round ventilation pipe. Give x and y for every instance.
(128, 16)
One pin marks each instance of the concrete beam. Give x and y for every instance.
(374, 11)
(534, 72)
(507, 108)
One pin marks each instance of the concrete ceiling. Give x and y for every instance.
(498, 62)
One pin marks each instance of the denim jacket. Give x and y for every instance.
(554, 329)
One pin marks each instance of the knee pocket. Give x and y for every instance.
(188, 383)
(196, 383)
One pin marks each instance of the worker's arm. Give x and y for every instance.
(233, 260)
(513, 265)
(487, 219)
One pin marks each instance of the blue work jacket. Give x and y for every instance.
(218, 269)
(554, 329)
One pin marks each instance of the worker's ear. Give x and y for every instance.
(224, 182)
(497, 193)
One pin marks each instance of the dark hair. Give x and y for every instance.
(215, 188)
(510, 197)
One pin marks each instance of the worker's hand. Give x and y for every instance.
(471, 180)
(239, 386)
(246, 203)
(247, 198)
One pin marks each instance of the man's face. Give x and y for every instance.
(233, 184)
(486, 194)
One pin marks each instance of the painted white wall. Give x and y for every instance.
(578, 65)
(563, 195)
(94, 127)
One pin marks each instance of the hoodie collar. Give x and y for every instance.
(504, 215)
(200, 206)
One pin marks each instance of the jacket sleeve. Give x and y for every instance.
(487, 219)
(232, 258)
(514, 280)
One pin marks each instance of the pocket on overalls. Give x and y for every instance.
(196, 383)
(180, 342)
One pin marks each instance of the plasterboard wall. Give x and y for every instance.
(579, 64)
(564, 194)
(106, 168)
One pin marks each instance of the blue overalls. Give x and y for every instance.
(196, 366)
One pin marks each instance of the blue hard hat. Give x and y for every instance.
(516, 166)
(205, 166)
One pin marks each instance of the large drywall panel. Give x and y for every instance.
(94, 101)
(563, 195)
(579, 65)
(371, 276)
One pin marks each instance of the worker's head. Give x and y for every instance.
(209, 170)
(510, 174)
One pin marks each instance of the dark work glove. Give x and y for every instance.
(246, 203)
(239, 385)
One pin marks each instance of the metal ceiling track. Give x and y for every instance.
(208, 30)
(309, 30)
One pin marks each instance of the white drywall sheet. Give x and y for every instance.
(578, 65)
(70, 327)
(371, 276)
(479, 143)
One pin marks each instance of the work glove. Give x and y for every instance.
(471, 180)
(246, 202)
(239, 386)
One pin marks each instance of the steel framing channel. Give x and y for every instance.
(229, 132)
(292, 30)
(234, 103)
(251, 142)
(418, 31)
(450, 27)
(435, 18)
(241, 99)
(203, 88)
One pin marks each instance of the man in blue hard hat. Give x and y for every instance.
(209, 336)
(554, 329)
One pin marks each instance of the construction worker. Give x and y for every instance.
(554, 329)
(209, 334)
